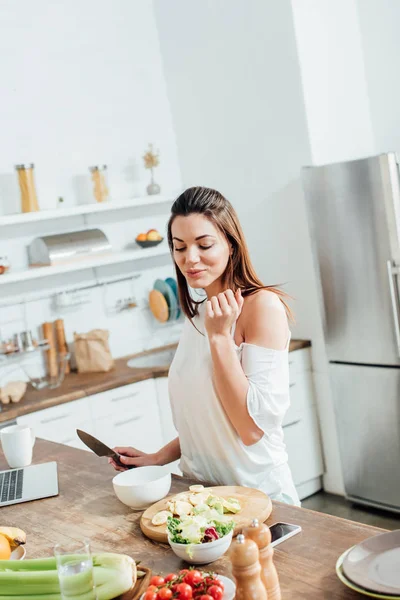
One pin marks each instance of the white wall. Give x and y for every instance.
(379, 26)
(236, 96)
(81, 83)
(334, 79)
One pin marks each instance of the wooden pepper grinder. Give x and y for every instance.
(261, 535)
(246, 569)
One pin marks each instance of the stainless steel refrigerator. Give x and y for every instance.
(354, 216)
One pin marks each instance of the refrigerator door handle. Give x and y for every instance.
(394, 305)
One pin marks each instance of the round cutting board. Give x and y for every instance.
(255, 505)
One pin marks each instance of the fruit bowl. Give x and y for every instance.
(148, 243)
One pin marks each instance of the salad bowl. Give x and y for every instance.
(201, 554)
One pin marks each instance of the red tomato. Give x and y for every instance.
(157, 580)
(170, 577)
(219, 583)
(215, 592)
(164, 594)
(152, 588)
(193, 578)
(205, 597)
(184, 591)
(150, 595)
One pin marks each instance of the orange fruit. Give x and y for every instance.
(5, 550)
(141, 237)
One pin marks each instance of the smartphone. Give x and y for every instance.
(283, 531)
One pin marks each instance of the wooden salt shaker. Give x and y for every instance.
(261, 535)
(246, 569)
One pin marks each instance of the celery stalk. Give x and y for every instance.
(37, 579)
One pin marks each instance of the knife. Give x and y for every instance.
(101, 449)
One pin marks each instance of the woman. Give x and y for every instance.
(229, 380)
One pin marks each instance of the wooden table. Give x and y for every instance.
(87, 506)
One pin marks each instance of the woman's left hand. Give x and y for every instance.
(222, 312)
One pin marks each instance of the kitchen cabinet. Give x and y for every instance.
(301, 428)
(59, 423)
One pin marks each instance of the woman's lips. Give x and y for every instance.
(194, 274)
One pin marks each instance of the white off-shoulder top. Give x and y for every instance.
(211, 448)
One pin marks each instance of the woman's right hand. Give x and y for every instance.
(131, 457)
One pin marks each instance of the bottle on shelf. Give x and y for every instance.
(99, 179)
(246, 569)
(29, 202)
(261, 535)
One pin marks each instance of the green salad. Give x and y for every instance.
(207, 524)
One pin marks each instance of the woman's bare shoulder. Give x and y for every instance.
(264, 320)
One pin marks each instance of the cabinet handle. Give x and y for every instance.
(292, 385)
(51, 419)
(292, 423)
(67, 441)
(118, 423)
(129, 396)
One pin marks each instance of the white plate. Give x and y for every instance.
(230, 588)
(18, 553)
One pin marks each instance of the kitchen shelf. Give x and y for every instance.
(82, 209)
(14, 276)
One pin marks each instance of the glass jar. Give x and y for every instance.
(29, 202)
(99, 179)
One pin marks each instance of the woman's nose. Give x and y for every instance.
(192, 256)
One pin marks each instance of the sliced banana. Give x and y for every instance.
(161, 517)
(183, 508)
(195, 489)
(171, 506)
(196, 499)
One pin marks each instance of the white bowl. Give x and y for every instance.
(201, 554)
(139, 488)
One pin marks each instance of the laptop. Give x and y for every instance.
(28, 483)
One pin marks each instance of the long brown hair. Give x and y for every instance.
(239, 272)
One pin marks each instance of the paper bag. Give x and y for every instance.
(92, 351)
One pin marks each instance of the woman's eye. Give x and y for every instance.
(206, 247)
(179, 249)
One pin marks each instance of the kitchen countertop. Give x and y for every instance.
(79, 385)
(87, 507)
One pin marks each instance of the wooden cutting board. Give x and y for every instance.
(255, 505)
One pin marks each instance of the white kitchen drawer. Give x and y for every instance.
(299, 361)
(128, 399)
(131, 420)
(56, 416)
(303, 447)
(301, 396)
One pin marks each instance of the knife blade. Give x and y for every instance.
(100, 449)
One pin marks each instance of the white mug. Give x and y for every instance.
(17, 442)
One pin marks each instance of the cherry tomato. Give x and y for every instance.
(219, 583)
(170, 577)
(150, 595)
(206, 597)
(184, 591)
(183, 572)
(215, 592)
(152, 588)
(157, 580)
(164, 594)
(193, 578)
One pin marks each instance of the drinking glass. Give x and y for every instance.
(75, 570)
